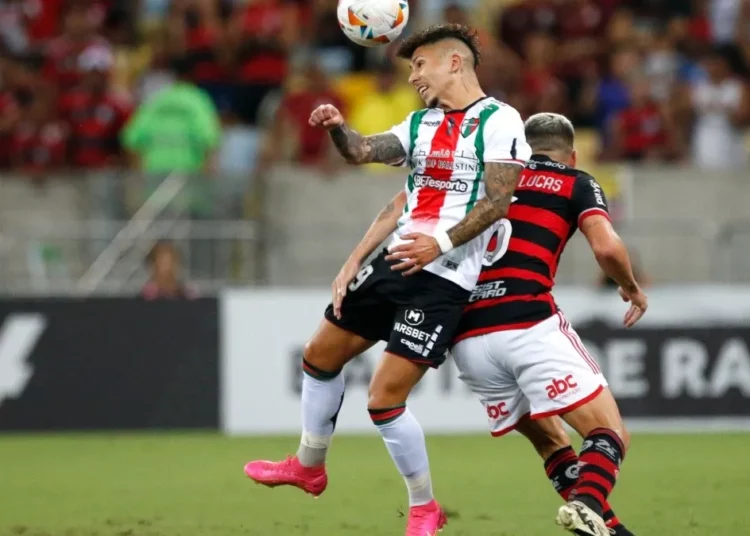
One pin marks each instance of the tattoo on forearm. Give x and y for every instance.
(500, 183)
(358, 149)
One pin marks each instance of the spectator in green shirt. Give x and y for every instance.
(177, 130)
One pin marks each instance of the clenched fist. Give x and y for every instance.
(326, 116)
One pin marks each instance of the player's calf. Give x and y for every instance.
(327, 351)
(602, 452)
(403, 436)
(322, 396)
(561, 462)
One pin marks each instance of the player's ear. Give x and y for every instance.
(456, 62)
(573, 158)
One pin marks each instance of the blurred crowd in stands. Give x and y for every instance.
(207, 86)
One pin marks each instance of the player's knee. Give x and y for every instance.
(312, 352)
(319, 355)
(386, 394)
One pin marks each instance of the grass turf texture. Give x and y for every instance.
(190, 485)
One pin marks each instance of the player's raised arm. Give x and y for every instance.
(384, 148)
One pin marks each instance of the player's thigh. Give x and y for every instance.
(365, 314)
(331, 347)
(547, 435)
(601, 412)
(393, 380)
(479, 364)
(554, 370)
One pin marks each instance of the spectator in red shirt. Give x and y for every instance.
(38, 143)
(640, 131)
(541, 88)
(61, 68)
(42, 19)
(95, 114)
(263, 33)
(165, 282)
(310, 145)
(197, 32)
(9, 111)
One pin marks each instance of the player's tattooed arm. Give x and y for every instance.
(358, 149)
(500, 183)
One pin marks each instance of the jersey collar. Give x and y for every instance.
(470, 106)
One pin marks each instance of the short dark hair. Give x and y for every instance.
(440, 32)
(549, 132)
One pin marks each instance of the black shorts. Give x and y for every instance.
(416, 314)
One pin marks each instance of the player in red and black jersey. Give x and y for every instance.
(514, 347)
(552, 201)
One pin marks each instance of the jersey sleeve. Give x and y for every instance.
(403, 132)
(504, 137)
(588, 199)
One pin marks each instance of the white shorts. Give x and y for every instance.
(540, 371)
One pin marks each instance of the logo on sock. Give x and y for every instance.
(573, 471)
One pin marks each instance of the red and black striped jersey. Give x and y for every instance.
(513, 290)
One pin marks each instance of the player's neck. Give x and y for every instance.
(462, 97)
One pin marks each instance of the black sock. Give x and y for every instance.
(599, 466)
(562, 470)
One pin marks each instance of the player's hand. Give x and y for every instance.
(638, 305)
(326, 116)
(341, 283)
(414, 255)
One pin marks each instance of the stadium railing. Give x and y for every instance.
(52, 234)
(682, 226)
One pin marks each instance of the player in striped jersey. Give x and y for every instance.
(515, 348)
(465, 152)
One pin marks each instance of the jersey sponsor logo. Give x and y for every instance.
(452, 165)
(495, 411)
(414, 317)
(430, 123)
(409, 331)
(495, 289)
(469, 126)
(413, 346)
(597, 192)
(18, 337)
(562, 388)
(425, 181)
(541, 182)
(547, 163)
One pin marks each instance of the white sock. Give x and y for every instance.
(321, 401)
(404, 439)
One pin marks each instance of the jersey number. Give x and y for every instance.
(363, 274)
(503, 233)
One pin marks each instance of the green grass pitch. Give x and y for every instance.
(193, 484)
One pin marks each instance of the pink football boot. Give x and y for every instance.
(425, 520)
(312, 480)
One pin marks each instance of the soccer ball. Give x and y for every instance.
(373, 22)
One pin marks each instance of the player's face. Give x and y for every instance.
(431, 73)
